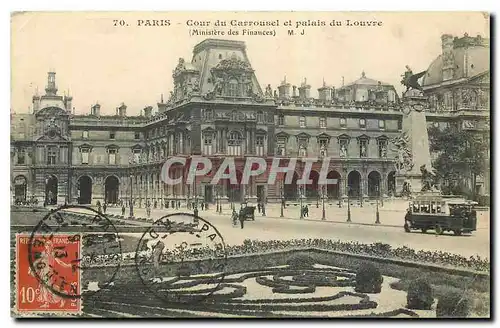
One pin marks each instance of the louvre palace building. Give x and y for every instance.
(219, 109)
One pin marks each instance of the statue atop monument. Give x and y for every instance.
(410, 80)
(413, 160)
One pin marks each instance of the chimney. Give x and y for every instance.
(304, 90)
(96, 110)
(122, 110)
(148, 111)
(161, 105)
(284, 89)
(447, 57)
(294, 91)
(325, 92)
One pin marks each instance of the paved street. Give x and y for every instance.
(362, 229)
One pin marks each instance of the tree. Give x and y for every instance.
(462, 155)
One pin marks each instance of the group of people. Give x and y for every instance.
(374, 249)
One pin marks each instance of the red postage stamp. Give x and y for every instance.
(48, 276)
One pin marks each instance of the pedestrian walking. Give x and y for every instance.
(263, 209)
(104, 207)
(123, 209)
(258, 207)
(99, 209)
(234, 217)
(242, 218)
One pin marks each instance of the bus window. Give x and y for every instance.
(433, 207)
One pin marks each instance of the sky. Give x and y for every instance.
(96, 61)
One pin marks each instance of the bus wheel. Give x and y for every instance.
(457, 232)
(407, 227)
(438, 229)
(424, 230)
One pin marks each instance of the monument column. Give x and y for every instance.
(413, 144)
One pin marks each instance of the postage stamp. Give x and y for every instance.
(271, 164)
(47, 275)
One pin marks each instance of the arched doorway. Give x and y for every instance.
(391, 183)
(235, 191)
(290, 190)
(354, 183)
(85, 190)
(111, 188)
(373, 184)
(333, 190)
(20, 189)
(312, 188)
(51, 184)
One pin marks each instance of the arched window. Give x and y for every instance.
(234, 143)
(233, 88)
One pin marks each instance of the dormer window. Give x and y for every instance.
(362, 123)
(233, 88)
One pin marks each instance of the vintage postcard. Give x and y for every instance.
(250, 165)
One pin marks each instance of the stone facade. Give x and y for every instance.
(217, 109)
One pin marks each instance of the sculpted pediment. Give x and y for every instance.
(51, 112)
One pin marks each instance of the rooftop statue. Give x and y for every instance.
(410, 80)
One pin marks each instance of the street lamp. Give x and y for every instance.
(348, 203)
(131, 214)
(323, 191)
(377, 215)
(46, 191)
(282, 194)
(317, 197)
(300, 197)
(216, 199)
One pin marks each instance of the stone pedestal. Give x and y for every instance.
(415, 181)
